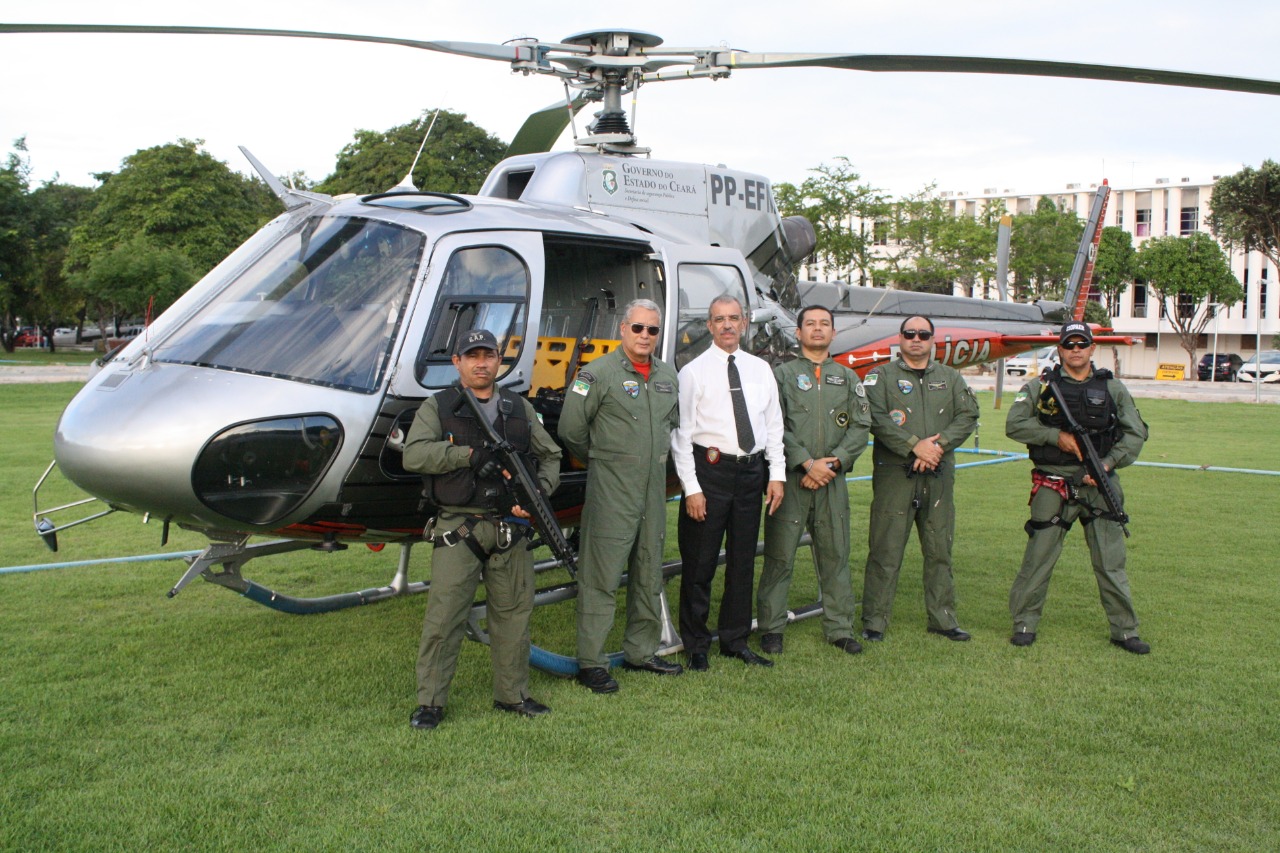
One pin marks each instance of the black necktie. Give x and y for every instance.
(746, 437)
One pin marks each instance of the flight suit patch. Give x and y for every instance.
(859, 390)
(937, 386)
(1022, 395)
(905, 386)
(835, 380)
(898, 417)
(580, 387)
(842, 419)
(586, 376)
(803, 382)
(632, 388)
(664, 387)
(872, 379)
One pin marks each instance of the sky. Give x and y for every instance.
(84, 102)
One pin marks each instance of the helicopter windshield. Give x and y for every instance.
(322, 306)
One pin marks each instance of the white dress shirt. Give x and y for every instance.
(706, 412)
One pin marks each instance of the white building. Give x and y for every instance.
(1165, 208)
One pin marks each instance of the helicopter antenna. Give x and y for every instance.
(407, 182)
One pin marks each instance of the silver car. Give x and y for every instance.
(1264, 366)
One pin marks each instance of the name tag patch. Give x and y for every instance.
(835, 380)
(664, 387)
(937, 386)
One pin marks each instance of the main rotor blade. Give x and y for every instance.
(478, 50)
(987, 65)
(541, 129)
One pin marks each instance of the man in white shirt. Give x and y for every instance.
(730, 422)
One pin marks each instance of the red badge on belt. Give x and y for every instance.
(713, 455)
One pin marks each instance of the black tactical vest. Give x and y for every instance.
(461, 487)
(1093, 407)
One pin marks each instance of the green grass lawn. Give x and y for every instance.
(129, 720)
(30, 355)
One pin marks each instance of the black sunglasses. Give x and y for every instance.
(637, 328)
(1075, 345)
(912, 334)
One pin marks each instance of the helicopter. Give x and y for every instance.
(272, 398)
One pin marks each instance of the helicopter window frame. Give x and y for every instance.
(457, 307)
(692, 337)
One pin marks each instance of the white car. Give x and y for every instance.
(1264, 365)
(1031, 363)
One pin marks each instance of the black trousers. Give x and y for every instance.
(734, 496)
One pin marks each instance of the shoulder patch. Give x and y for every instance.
(872, 379)
(1022, 396)
(586, 376)
(581, 387)
(859, 390)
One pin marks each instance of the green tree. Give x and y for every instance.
(1188, 274)
(15, 240)
(455, 159)
(934, 249)
(54, 210)
(177, 196)
(126, 280)
(1042, 251)
(1113, 268)
(1245, 209)
(841, 210)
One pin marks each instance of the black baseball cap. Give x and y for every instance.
(475, 339)
(1076, 330)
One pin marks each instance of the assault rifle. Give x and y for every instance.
(1092, 464)
(524, 488)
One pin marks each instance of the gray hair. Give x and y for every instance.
(645, 304)
(721, 300)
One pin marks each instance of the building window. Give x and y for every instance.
(1142, 223)
(1244, 303)
(880, 233)
(1190, 221)
(1139, 300)
(1262, 294)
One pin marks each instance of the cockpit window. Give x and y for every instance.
(321, 306)
(483, 287)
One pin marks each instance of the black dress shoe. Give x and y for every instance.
(426, 717)
(698, 662)
(1023, 638)
(1132, 644)
(526, 707)
(848, 645)
(656, 665)
(955, 634)
(873, 636)
(597, 679)
(747, 656)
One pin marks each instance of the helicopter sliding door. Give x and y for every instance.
(700, 275)
(484, 280)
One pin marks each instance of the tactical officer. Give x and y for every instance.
(825, 422)
(619, 414)
(472, 534)
(920, 411)
(1061, 492)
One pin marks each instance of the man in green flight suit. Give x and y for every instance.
(826, 419)
(1062, 493)
(618, 416)
(472, 534)
(920, 411)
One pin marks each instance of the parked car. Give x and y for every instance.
(1264, 366)
(27, 337)
(1227, 365)
(1022, 365)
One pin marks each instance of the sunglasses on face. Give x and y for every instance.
(1070, 345)
(637, 328)
(912, 334)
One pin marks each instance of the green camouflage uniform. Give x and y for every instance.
(825, 413)
(1104, 536)
(904, 409)
(456, 570)
(620, 424)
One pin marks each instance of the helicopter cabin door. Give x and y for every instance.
(700, 274)
(479, 280)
